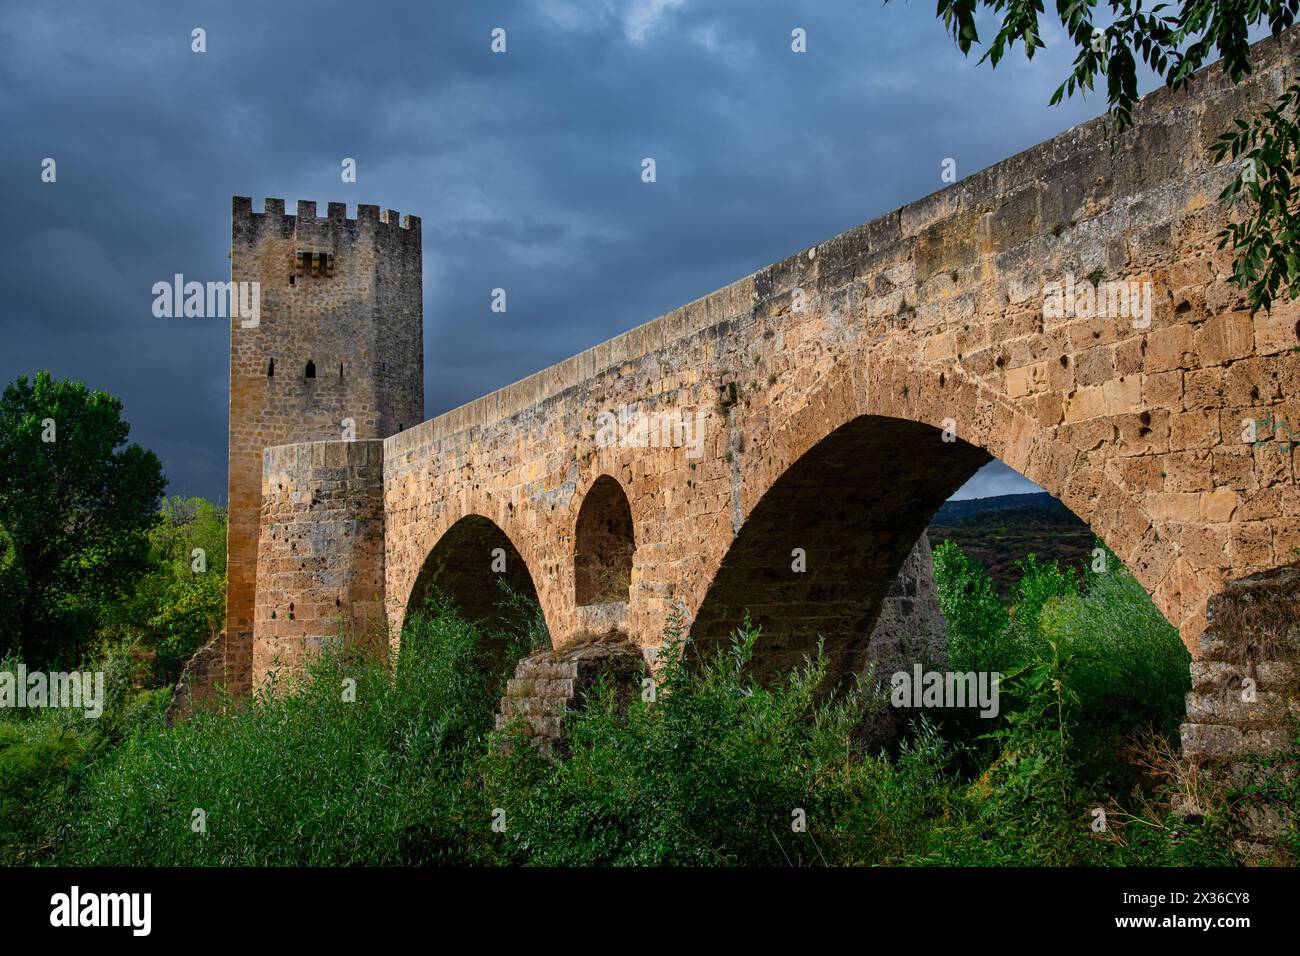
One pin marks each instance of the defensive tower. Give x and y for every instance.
(336, 354)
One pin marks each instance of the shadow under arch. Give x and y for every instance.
(467, 566)
(604, 546)
(849, 511)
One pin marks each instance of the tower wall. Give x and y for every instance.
(320, 553)
(346, 296)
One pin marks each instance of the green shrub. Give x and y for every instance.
(1132, 667)
(43, 752)
(1039, 584)
(980, 636)
(35, 757)
(714, 772)
(348, 766)
(175, 608)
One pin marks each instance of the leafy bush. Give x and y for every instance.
(1131, 667)
(36, 756)
(44, 752)
(175, 607)
(1039, 584)
(717, 770)
(351, 765)
(980, 637)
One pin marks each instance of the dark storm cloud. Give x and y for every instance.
(525, 167)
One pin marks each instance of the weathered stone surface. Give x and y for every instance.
(910, 630)
(1245, 692)
(357, 321)
(200, 680)
(320, 555)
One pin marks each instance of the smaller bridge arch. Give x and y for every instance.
(468, 565)
(604, 547)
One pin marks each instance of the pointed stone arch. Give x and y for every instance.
(821, 550)
(467, 566)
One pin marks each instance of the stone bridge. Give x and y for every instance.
(778, 446)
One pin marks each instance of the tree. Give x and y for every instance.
(1176, 41)
(76, 502)
(179, 603)
(980, 636)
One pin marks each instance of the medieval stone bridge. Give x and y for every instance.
(778, 446)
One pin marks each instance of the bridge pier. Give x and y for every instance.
(551, 683)
(1243, 711)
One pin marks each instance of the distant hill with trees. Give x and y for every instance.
(1000, 530)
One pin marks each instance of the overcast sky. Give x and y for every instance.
(525, 167)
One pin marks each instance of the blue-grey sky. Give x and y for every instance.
(525, 167)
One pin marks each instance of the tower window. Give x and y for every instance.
(311, 369)
(340, 369)
(291, 279)
(270, 368)
(314, 264)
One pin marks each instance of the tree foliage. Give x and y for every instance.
(179, 603)
(1267, 241)
(76, 502)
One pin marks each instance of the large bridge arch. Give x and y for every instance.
(821, 548)
(852, 479)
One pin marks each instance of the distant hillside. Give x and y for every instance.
(999, 531)
(953, 510)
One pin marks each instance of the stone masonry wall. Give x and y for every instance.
(551, 683)
(345, 295)
(1243, 711)
(1245, 696)
(910, 628)
(929, 316)
(320, 556)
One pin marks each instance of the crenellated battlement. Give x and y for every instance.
(274, 221)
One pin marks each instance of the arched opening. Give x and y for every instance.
(839, 549)
(469, 566)
(823, 547)
(604, 543)
(311, 369)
